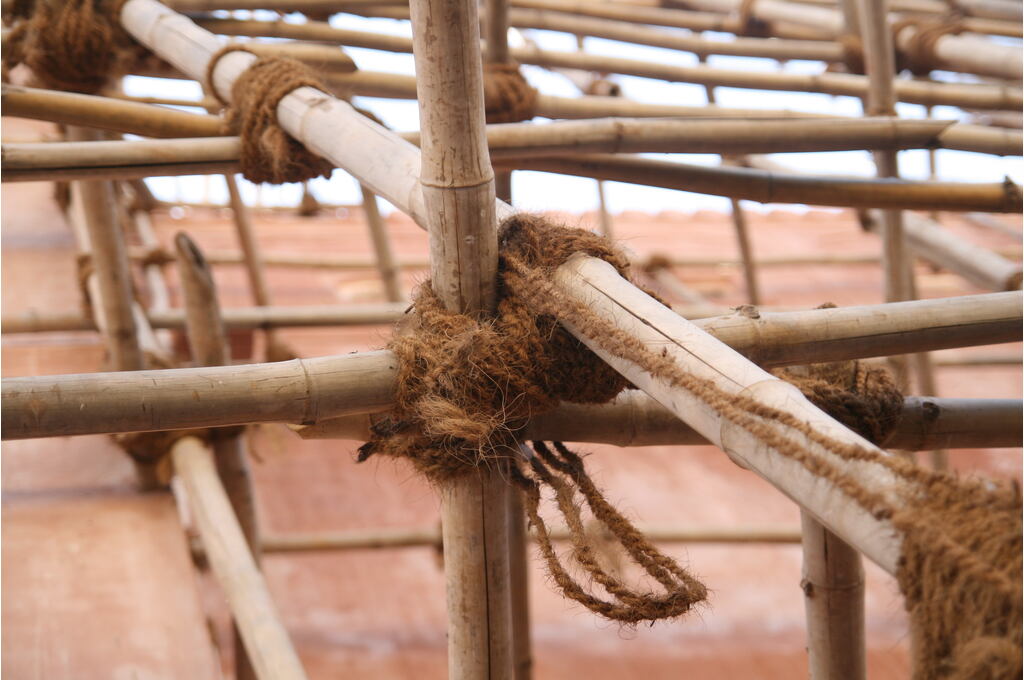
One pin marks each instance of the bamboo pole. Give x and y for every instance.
(382, 539)
(309, 316)
(833, 585)
(989, 222)
(773, 187)
(934, 243)
(389, 271)
(265, 638)
(457, 184)
(159, 295)
(106, 113)
(209, 346)
(597, 285)
(634, 419)
(980, 96)
(312, 390)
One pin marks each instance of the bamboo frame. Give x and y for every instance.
(309, 391)
(980, 96)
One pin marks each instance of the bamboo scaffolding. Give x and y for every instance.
(979, 96)
(457, 185)
(227, 552)
(823, 133)
(309, 391)
(634, 419)
(209, 346)
(773, 187)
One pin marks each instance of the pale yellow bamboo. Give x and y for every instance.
(209, 347)
(266, 640)
(106, 113)
(373, 539)
(312, 390)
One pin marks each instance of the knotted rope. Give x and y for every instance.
(919, 56)
(749, 25)
(269, 154)
(76, 45)
(508, 98)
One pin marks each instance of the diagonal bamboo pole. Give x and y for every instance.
(389, 271)
(265, 638)
(209, 346)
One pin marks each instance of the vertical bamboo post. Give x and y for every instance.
(209, 346)
(457, 182)
(496, 52)
(833, 585)
(381, 246)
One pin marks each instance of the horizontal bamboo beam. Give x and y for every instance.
(634, 419)
(309, 391)
(106, 113)
(773, 187)
(979, 96)
(34, 161)
(370, 539)
(266, 640)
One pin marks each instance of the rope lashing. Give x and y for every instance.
(919, 55)
(748, 24)
(508, 98)
(75, 45)
(960, 565)
(269, 154)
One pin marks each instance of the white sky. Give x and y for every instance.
(544, 191)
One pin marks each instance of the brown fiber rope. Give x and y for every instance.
(508, 98)
(919, 56)
(960, 565)
(269, 154)
(74, 45)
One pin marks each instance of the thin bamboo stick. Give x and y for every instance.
(389, 271)
(265, 638)
(771, 187)
(309, 316)
(833, 585)
(373, 539)
(209, 346)
(634, 419)
(910, 91)
(457, 183)
(312, 390)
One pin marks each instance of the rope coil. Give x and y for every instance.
(269, 154)
(508, 98)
